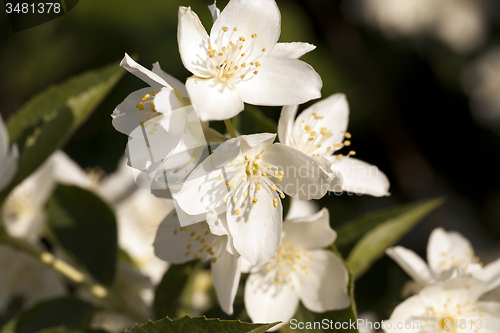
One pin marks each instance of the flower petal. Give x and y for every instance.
(311, 232)
(193, 42)
(285, 124)
(412, 264)
(226, 274)
(213, 99)
(172, 81)
(445, 248)
(301, 208)
(412, 307)
(304, 178)
(266, 303)
(361, 177)
(325, 287)
(291, 50)
(491, 274)
(256, 230)
(281, 81)
(214, 10)
(249, 17)
(154, 80)
(8, 167)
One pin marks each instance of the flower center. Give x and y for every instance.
(450, 259)
(251, 175)
(147, 108)
(202, 244)
(231, 62)
(288, 265)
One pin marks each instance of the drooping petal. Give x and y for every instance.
(193, 42)
(250, 17)
(266, 303)
(256, 228)
(226, 274)
(328, 118)
(303, 177)
(325, 287)
(285, 124)
(291, 50)
(447, 250)
(412, 264)
(213, 99)
(281, 81)
(301, 208)
(154, 80)
(311, 232)
(172, 81)
(214, 11)
(361, 177)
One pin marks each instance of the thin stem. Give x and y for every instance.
(70, 272)
(230, 128)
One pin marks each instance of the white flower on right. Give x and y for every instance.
(453, 306)
(241, 61)
(449, 254)
(8, 159)
(300, 270)
(320, 131)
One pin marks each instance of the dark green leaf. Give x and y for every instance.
(252, 120)
(373, 244)
(86, 228)
(53, 313)
(49, 119)
(168, 295)
(200, 325)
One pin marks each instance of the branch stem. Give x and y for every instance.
(230, 128)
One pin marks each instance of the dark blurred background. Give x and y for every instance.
(422, 78)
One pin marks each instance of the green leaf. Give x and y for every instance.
(53, 313)
(252, 121)
(325, 322)
(168, 295)
(86, 228)
(200, 324)
(66, 329)
(373, 244)
(49, 119)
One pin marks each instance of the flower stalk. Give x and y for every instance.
(230, 128)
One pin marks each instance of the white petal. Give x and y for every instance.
(405, 312)
(335, 177)
(203, 190)
(304, 178)
(261, 17)
(256, 230)
(325, 287)
(254, 144)
(291, 50)
(311, 232)
(213, 99)
(4, 139)
(68, 172)
(361, 177)
(491, 274)
(8, 167)
(226, 274)
(214, 10)
(412, 264)
(246, 266)
(154, 80)
(266, 303)
(331, 113)
(446, 247)
(285, 124)
(193, 42)
(172, 81)
(281, 81)
(301, 208)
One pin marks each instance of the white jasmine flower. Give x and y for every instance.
(178, 245)
(241, 61)
(8, 158)
(246, 177)
(452, 306)
(320, 131)
(27, 278)
(299, 270)
(449, 254)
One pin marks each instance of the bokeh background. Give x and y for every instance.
(422, 78)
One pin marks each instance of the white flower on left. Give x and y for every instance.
(449, 254)
(8, 157)
(320, 131)
(241, 61)
(300, 270)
